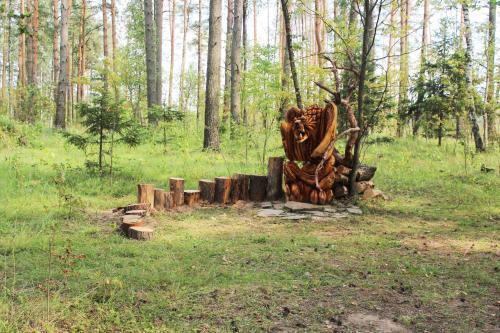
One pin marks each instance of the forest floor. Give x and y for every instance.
(427, 260)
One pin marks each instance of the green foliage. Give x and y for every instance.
(106, 123)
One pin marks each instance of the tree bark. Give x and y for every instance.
(5, 49)
(199, 74)
(168, 200)
(191, 197)
(183, 60)
(55, 46)
(257, 188)
(275, 178)
(288, 32)
(468, 78)
(490, 72)
(423, 56)
(63, 84)
(140, 233)
(207, 190)
(177, 189)
(236, 62)
(159, 199)
(158, 17)
(105, 49)
(403, 66)
(172, 53)
(222, 190)
(150, 55)
(81, 52)
(211, 132)
(145, 194)
(227, 63)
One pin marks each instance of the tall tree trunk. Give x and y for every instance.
(81, 52)
(159, 51)
(285, 69)
(5, 50)
(365, 58)
(245, 59)
(390, 50)
(468, 77)
(227, 63)
(105, 43)
(183, 60)
(236, 62)
(32, 44)
(490, 70)
(150, 56)
(22, 49)
(403, 66)
(55, 46)
(423, 56)
(318, 30)
(172, 53)
(211, 132)
(199, 74)
(255, 42)
(288, 34)
(62, 87)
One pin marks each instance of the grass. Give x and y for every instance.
(427, 258)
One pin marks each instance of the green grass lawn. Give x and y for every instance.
(428, 259)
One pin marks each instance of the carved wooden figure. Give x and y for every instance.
(307, 136)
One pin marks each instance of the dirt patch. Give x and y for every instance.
(365, 322)
(451, 245)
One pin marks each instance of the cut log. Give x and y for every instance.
(140, 233)
(131, 223)
(191, 197)
(275, 178)
(159, 199)
(177, 189)
(365, 173)
(168, 200)
(207, 190)
(145, 194)
(244, 186)
(239, 187)
(222, 190)
(140, 212)
(257, 188)
(139, 206)
(340, 191)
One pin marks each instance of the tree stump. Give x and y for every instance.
(275, 178)
(159, 199)
(127, 224)
(168, 200)
(244, 186)
(236, 188)
(145, 194)
(177, 189)
(191, 197)
(140, 212)
(139, 206)
(207, 190)
(140, 233)
(257, 188)
(222, 190)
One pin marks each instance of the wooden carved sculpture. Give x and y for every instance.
(307, 137)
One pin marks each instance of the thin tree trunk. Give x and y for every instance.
(105, 43)
(236, 62)
(285, 69)
(490, 72)
(62, 89)
(288, 34)
(365, 58)
(468, 77)
(55, 46)
(390, 51)
(81, 52)
(172, 53)
(198, 78)
(255, 42)
(159, 51)
(423, 56)
(22, 51)
(227, 63)
(245, 62)
(211, 132)
(183, 60)
(150, 56)
(5, 46)
(403, 66)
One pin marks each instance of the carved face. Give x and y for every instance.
(299, 129)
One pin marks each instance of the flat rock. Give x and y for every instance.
(266, 204)
(330, 210)
(279, 205)
(295, 217)
(339, 216)
(296, 206)
(270, 212)
(354, 210)
(319, 213)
